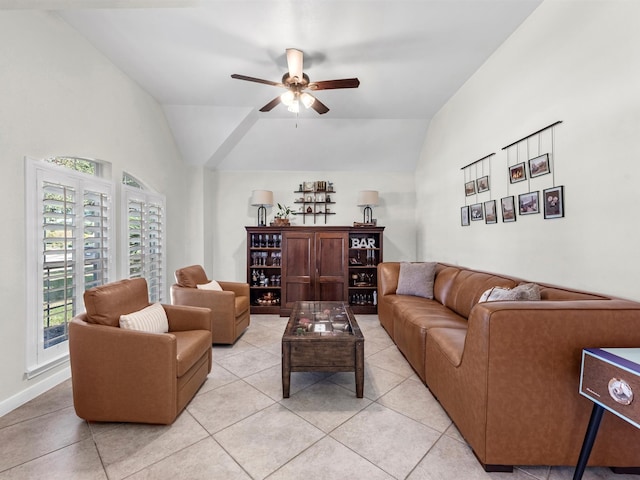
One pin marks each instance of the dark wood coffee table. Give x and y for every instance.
(322, 337)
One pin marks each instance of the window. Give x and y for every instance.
(68, 251)
(145, 241)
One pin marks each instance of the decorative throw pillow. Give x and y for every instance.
(152, 319)
(212, 285)
(526, 291)
(416, 279)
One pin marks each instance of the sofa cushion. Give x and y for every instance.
(151, 319)
(212, 285)
(242, 304)
(191, 345)
(526, 291)
(191, 276)
(416, 279)
(106, 303)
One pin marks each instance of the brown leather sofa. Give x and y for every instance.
(229, 307)
(507, 372)
(123, 375)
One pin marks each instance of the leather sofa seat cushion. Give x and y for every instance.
(191, 345)
(105, 304)
(450, 341)
(191, 277)
(242, 305)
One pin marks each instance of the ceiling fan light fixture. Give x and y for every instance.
(307, 99)
(294, 107)
(288, 98)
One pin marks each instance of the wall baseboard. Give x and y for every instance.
(32, 392)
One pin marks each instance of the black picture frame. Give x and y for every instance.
(529, 203)
(470, 188)
(464, 216)
(476, 212)
(508, 207)
(539, 165)
(517, 173)
(553, 199)
(490, 212)
(482, 184)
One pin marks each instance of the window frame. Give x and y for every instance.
(37, 173)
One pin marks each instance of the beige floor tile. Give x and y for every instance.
(249, 362)
(224, 351)
(273, 348)
(325, 404)
(218, 377)
(205, 460)
(130, 447)
(414, 400)
(269, 381)
(79, 461)
(267, 440)
(57, 398)
(260, 335)
(590, 473)
(377, 381)
(386, 438)
(391, 359)
(329, 459)
(227, 405)
(30, 439)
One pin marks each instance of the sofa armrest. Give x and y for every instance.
(183, 317)
(239, 288)
(122, 375)
(388, 273)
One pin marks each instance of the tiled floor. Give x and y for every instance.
(239, 427)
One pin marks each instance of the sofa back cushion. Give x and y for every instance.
(460, 289)
(106, 303)
(191, 276)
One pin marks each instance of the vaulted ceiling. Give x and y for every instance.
(410, 56)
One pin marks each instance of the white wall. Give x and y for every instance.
(59, 96)
(232, 211)
(574, 61)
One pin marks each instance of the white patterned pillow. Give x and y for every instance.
(526, 291)
(212, 285)
(152, 319)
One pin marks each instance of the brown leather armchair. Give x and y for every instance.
(229, 307)
(121, 375)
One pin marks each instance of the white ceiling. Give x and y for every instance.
(410, 57)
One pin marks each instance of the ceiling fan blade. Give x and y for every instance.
(269, 106)
(294, 62)
(257, 80)
(331, 84)
(319, 107)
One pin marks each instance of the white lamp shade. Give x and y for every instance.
(367, 198)
(262, 197)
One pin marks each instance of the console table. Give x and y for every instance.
(609, 377)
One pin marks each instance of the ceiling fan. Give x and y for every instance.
(296, 82)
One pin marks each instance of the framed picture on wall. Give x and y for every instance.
(470, 188)
(483, 184)
(508, 205)
(517, 173)
(464, 216)
(539, 165)
(553, 202)
(476, 211)
(528, 203)
(490, 214)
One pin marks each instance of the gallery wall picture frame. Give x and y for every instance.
(476, 212)
(517, 173)
(539, 165)
(470, 188)
(483, 184)
(508, 207)
(553, 199)
(464, 216)
(490, 214)
(529, 203)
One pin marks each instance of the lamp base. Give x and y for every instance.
(262, 216)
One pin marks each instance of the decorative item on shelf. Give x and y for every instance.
(367, 199)
(309, 210)
(262, 199)
(282, 216)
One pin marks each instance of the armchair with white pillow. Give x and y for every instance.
(132, 361)
(228, 301)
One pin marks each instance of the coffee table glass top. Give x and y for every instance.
(322, 319)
